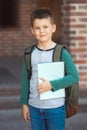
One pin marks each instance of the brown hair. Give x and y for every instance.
(41, 13)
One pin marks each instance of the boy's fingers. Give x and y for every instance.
(28, 116)
(41, 78)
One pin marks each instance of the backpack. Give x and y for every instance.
(72, 92)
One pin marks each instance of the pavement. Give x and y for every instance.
(11, 120)
(10, 112)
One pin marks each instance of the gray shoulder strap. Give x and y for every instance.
(27, 56)
(57, 54)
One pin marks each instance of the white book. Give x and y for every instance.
(51, 71)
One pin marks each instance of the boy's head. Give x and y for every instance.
(40, 14)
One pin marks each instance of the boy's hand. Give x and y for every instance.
(25, 113)
(44, 86)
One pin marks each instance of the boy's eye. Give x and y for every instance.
(37, 28)
(45, 26)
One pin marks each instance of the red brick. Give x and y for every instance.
(83, 74)
(76, 1)
(76, 13)
(81, 62)
(84, 44)
(78, 50)
(68, 8)
(69, 20)
(83, 19)
(82, 31)
(83, 86)
(83, 7)
(83, 55)
(76, 20)
(78, 25)
(83, 79)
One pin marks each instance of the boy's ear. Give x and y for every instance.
(32, 31)
(54, 27)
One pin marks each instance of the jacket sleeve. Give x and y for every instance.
(71, 75)
(25, 85)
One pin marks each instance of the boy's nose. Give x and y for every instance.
(41, 30)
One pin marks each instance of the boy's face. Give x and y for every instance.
(43, 29)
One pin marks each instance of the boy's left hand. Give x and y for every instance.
(44, 86)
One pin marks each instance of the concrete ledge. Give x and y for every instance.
(11, 102)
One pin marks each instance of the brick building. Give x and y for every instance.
(71, 18)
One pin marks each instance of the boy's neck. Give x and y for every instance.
(46, 46)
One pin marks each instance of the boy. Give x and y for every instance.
(46, 114)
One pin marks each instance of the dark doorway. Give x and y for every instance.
(8, 13)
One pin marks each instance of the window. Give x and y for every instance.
(8, 13)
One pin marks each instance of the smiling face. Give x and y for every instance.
(43, 29)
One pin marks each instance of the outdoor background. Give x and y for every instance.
(15, 36)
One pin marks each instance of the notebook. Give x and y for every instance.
(51, 71)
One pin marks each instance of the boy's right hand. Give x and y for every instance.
(25, 113)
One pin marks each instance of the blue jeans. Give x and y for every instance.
(47, 119)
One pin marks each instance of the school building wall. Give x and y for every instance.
(74, 33)
(13, 41)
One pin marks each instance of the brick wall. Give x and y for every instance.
(74, 29)
(74, 34)
(14, 40)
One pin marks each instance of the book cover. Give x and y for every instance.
(51, 71)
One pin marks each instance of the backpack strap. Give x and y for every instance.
(57, 54)
(72, 92)
(27, 58)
